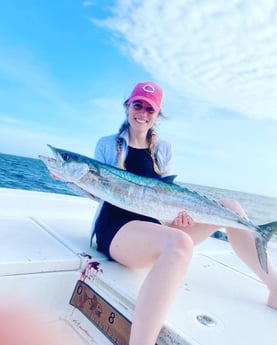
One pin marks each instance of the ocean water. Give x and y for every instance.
(31, 174)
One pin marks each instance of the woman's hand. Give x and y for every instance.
(182, 220)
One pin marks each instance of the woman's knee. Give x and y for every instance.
(179, 249)
(233, 205)
(181, 242)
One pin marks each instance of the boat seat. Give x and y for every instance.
(25, 247)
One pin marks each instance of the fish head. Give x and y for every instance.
(66, 166)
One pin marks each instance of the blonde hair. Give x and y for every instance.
(151, 139)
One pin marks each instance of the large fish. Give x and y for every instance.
(157, 198)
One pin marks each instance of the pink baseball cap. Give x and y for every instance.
(148, 92)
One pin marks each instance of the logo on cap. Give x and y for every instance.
(148, 88)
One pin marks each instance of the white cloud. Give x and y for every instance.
(222, 52)
(32, 141)
(227, 151)
(87, 3)
(33, 81)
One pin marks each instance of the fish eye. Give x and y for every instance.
(65, 156)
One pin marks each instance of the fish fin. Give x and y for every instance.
(266, 231)
(261, 247)
(168, 179)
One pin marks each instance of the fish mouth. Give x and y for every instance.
(59, 156)
(52, 165)
(53, 162)
(65, 165)
(55, 152)
(48, 160)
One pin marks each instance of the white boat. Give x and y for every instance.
(46, 260)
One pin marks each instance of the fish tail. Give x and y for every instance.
(261, 247)
(266, 231)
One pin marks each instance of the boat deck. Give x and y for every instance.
(44, 248)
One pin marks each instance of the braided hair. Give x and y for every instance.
(151, 139)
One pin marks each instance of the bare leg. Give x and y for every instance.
(141, 244)
(243, 244)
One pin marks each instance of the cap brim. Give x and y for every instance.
(153, 104)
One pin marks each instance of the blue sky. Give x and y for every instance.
(67, 66)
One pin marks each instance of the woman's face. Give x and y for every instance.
(141, 115)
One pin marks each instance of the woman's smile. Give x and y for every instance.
(141, 120)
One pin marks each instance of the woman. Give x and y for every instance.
(139, 241)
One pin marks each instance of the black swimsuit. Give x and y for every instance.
(112, 218)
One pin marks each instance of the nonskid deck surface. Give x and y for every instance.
(44, 239)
